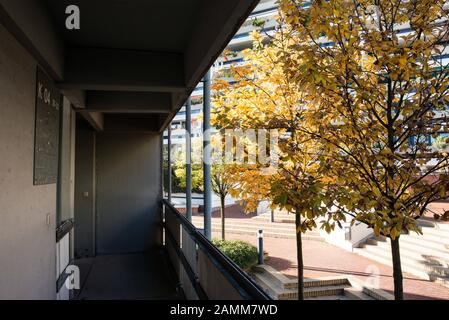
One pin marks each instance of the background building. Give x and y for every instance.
(266, 10)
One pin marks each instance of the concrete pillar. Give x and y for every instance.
(169, 163)
(189, 159)
(206, 160)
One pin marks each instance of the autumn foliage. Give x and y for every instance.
(357, 90)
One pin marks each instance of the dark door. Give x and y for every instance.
(128, 192)
(84, 191)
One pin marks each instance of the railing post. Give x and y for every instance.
(206, 160)
(189, 159)
(260, 238)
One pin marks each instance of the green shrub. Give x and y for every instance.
(241, 252)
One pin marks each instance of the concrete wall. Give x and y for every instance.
(30, 22)
(27, 242)
(348, 237)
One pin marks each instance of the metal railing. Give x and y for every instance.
(204, 271)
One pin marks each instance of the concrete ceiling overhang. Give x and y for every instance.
(131, 60)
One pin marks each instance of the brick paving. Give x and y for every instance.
(321, 259)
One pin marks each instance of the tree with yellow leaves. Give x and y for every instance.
(377, 85)
(221, 184)
(263, 98)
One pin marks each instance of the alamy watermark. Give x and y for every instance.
(72, 281)
(373, 280)
(73, 20)
(231, 146)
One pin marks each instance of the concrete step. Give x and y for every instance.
(344, 296)
(439, 270)
(386, 253)
(281, 287)
(279, 293)
(419, 251)
(424, 243)
(235, 226)
(280, 218)
(356, 294)
(426, 223)
(407, 266)
(416, 242)
(424, 261)
(280, 280)
(442, 280)
(429, 237)
(268, 234)
(255, 228)
(250, 224)
(361, 291)
(275, 277)
(426, 248)
(275, 292)
(411, 257)
(371, 241)
(377, 294)
(315, 292)
(436, 231)
(442, 226)
(252, 228)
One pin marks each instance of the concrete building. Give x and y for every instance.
(82, 114)
(265, 10)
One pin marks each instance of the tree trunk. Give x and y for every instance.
(299, 257)
(222, 204)
(397, 270)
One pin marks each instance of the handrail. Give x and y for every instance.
(64, 228)
(239, 279)
(188, 269)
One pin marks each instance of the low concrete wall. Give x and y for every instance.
(27, 241)
(348, 237)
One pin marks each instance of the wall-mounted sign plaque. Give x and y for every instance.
(46, 135)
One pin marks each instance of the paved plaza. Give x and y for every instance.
(322, 259)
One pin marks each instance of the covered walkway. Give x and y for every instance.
(135, 276)
(83, 111)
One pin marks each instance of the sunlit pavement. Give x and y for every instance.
(322, 259)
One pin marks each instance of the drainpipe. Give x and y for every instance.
(189, 159)
(206, 160)
(169, 163)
